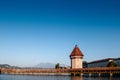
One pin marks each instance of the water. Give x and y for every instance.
(31, 77)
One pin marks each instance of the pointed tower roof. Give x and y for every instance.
(76, 52)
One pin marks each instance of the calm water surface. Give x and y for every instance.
(30, 77)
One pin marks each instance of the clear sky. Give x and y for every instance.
(35, 31)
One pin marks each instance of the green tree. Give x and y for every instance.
(111, 64)
(57, 66)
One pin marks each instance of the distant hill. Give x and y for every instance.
(8, 66)
(45, 65)
(48, 65)
(40, 65)
(4, 66)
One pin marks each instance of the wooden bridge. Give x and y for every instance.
(82, 71)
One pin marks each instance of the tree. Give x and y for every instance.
(57, 66)
(111, 64)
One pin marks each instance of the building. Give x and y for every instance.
(85, 64)
(76, 58)
(117, 61)
(103, 62)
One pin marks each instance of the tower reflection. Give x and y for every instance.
(76, 78)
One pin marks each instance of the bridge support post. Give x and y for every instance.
(111, 74)
(81, 74)
(89, 74)
(99, 74)
(73, 74)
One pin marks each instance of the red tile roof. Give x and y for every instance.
(76, 52)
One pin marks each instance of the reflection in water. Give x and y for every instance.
(94, 78)
(45, 77)
(76, 78)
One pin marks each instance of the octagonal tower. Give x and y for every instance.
(76, 58)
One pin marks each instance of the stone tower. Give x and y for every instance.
(76, 58)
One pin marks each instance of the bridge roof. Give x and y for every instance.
(76, 52)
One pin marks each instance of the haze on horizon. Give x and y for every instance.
(46, 31)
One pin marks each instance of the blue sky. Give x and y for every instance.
(35, 31)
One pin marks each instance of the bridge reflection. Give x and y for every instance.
(94, 78)
(76, 78)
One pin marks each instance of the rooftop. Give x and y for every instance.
(102, 60)
(76, 52)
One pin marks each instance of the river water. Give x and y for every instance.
(32, 77)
